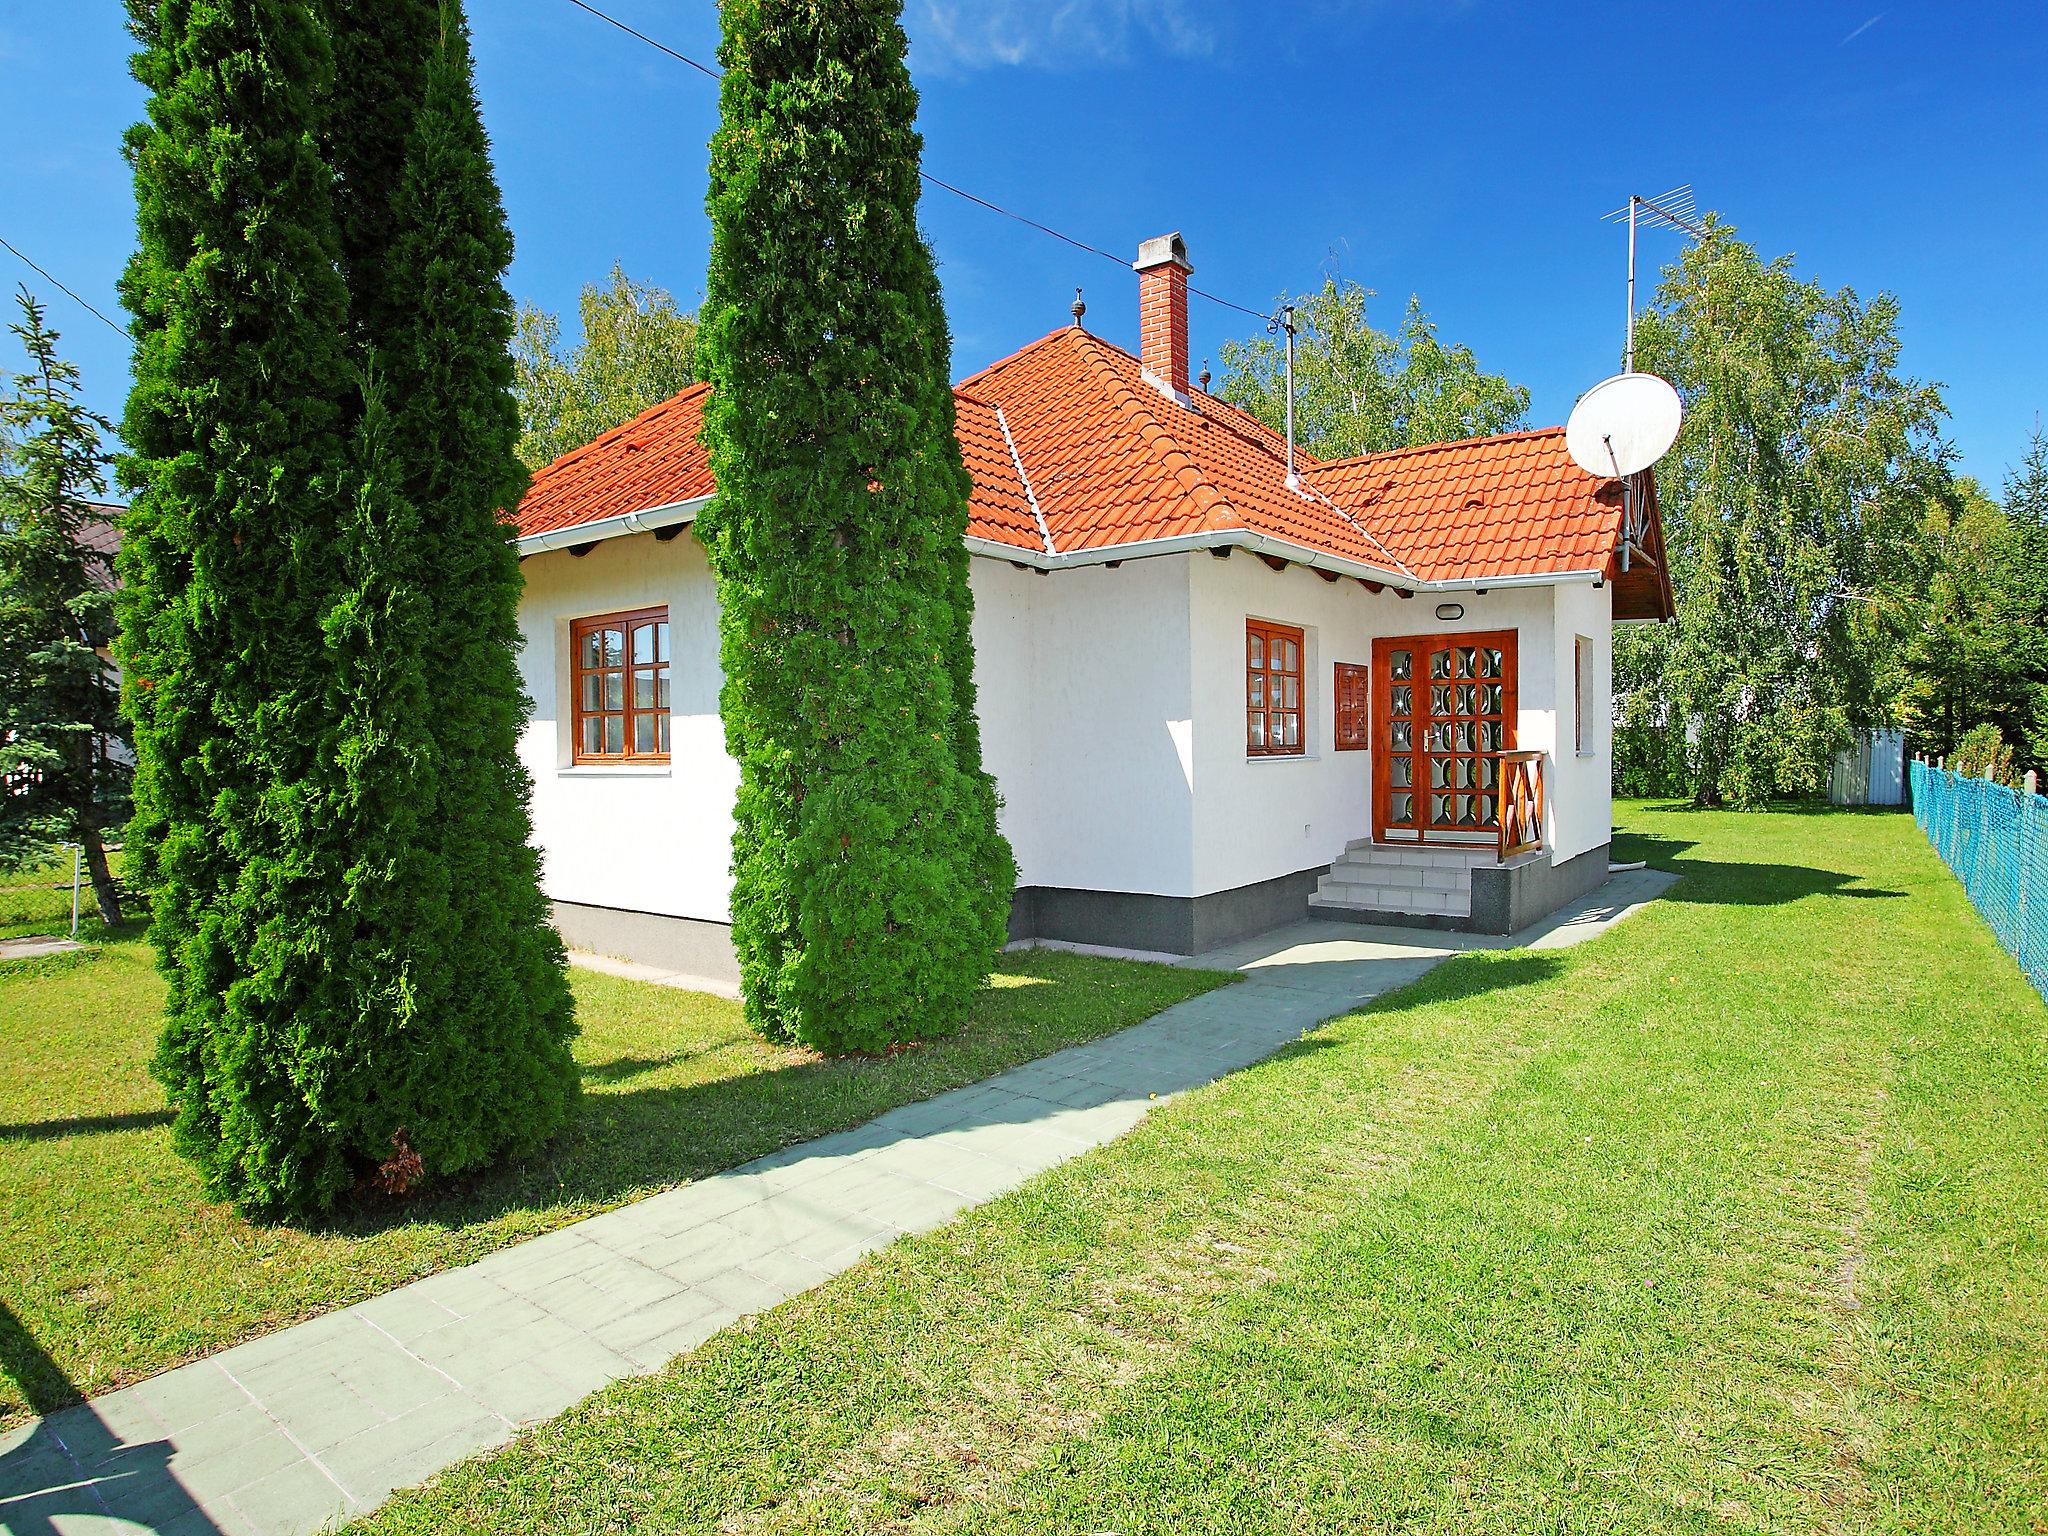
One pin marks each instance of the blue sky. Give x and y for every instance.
(1462, 151)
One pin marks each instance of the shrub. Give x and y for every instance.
(1983, 753)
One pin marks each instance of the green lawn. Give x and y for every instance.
(113, 1267)
(1732, 1220)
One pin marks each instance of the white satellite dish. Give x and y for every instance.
(1623, 424)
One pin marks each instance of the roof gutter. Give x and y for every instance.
(1263, 544)
(680, 512)
(676, 512)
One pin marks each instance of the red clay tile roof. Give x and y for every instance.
(1111, 461)
(1480, 507)
(652, 461)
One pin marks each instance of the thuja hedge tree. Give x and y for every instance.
(317, 620)
(871, 885)
(460, 1006)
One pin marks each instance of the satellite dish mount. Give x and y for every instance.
(1619, 428)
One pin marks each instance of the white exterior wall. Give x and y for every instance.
(1579, 785)
(1086, 719)
(1082, 684)
(647, 839)
(1260, 817)
(1112, 716)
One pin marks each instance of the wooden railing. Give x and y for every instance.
(1521, 803)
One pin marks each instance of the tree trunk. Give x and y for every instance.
(103, 888)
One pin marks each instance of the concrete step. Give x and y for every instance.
(1411, 877)
(1422, 853)
(1392, 901)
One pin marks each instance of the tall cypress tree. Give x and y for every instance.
(871, 886)
(321, 611)
(235, 429)
(463, 1012)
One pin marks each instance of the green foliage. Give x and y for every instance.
(1794, 498)
(871, 887)
(235, 426)
(460, 1012)
(637, 349)
(2026, 509)
(63, 776)
(1983, 754)
(1977, 649)
(317, 625)
(1359, 390)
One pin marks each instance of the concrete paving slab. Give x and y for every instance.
(280, 1436)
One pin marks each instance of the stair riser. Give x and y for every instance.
(1421, 903)
(1404, 875)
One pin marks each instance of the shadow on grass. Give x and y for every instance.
(84, 1125)
(627, 1144)
(1745, 884)
(74, 1467)
(1476, 973)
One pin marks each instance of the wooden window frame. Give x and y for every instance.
(662, 666)
(1351, 705)
(1266, 632)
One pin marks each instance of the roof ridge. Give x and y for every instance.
(1215, 508)
(1001, 363)
(1456, 442)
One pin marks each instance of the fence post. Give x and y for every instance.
(1953, 783)
(2029, 810)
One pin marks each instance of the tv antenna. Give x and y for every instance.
(1675, 209)
(1623, 425)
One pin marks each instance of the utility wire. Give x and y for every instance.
(711, 73)
(944, 186)
(15, 251)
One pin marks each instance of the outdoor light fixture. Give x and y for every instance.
(1449, 611)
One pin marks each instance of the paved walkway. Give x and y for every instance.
(309, 1425)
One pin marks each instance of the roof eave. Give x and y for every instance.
(1265, 544)
(615, 527)
(681, 512)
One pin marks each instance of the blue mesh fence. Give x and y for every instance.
(1996, 840)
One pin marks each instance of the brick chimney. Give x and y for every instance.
(1163, 267)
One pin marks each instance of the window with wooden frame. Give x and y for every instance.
(1273, 689)
(1351, 702)
(620, 687)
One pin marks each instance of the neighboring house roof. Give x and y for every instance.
(100, 532)
(1077, 455)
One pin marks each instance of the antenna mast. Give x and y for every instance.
(1284, 323)
(1672, 210)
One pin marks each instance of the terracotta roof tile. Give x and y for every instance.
(1113, 461)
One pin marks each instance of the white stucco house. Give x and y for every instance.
(1215, 697)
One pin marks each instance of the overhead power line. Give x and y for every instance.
(16, 253)
(713, 73)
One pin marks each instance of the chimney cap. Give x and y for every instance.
(1161, 250)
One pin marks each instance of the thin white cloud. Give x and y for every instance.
(968, 35)
(1861, 30)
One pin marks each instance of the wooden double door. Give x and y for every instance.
(1443, 711)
